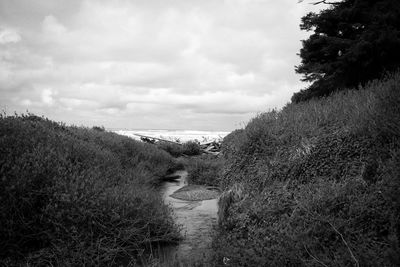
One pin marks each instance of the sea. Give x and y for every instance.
(176, 135)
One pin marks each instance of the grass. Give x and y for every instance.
(77, 196)
(190, 148)
(315, 184)
(204, 169)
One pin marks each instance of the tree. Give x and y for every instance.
(354, 41)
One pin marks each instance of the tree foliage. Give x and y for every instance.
(354, 41)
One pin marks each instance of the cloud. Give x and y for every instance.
(47, 97)
(149, 64)
(52, 29)
(9, 36)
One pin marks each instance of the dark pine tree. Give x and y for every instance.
(354, 41)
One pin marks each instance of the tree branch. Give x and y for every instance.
(321, 2)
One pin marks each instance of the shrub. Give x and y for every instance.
(320, 182)
(174, 150)
(99, 128)
(204, 170)
(190, 148)
(76, 196)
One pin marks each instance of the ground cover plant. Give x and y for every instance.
(204, 169)
(190, 148)
(315, 184)
(73, 196)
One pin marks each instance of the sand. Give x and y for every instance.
(196, 193)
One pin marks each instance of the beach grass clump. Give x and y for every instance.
(189, 148)
(319, 183)
(204, 169)
(73, 196)
(173, 149)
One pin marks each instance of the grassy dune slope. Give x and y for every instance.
(316, 184)
(74, 196)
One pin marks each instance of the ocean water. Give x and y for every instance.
(176, 135)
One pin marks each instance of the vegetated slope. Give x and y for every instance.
(316, 184)
(203, 169)
(190, 148)
(76, 196)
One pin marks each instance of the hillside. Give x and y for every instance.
(73, 196)
(315, 184)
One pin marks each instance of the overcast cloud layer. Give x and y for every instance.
(166, 64)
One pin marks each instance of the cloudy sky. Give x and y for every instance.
(165, 64)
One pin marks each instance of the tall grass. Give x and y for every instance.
(74, 196)
(320, 182)
(204, 170)
(190, 148)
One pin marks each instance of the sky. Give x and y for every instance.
(166, 64)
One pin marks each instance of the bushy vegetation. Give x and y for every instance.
(190, 148)
(72, 196)
(316, 184)
(204, 170)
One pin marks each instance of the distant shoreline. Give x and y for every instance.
(181, 135)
